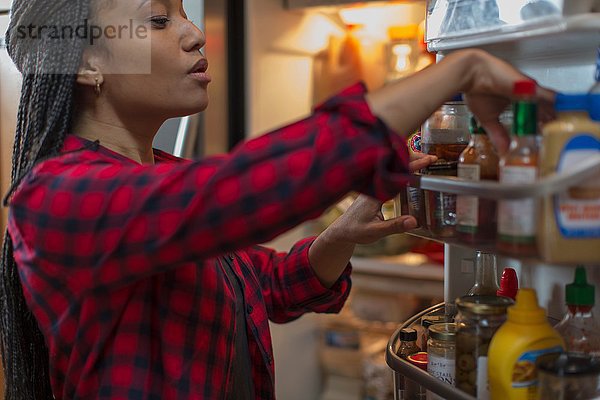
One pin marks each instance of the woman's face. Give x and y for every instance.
(150, 58)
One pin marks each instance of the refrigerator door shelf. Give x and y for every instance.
(549, 185)
(545, 38)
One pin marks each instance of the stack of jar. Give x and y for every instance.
(496, 348)
(567, 231)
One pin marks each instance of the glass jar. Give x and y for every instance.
(426, 322)
(441, 354)
(444, 134)
(570, 376)
(479, 317)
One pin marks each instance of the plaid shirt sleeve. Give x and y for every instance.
(289, 284)
(126, 221)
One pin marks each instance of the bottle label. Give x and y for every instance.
(524, 376)
(517, 218)
(441, 368)
(577, 211)
(483, 383)
(467, 207)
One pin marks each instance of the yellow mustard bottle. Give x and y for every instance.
(569, 232)
(517, 345)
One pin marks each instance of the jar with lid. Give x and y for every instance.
(479, 317)
(426, 322)
(444, 134)
(441, 354)
(569, 376)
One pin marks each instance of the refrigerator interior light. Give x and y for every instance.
(377, 18)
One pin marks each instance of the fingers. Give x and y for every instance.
(395, 225)
(420, 160)
(498, 135)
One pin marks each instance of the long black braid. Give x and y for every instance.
(48, 67)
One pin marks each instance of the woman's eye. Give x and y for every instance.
(160, 22)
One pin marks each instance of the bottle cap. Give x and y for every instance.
(509, 284)
(580, 293)
(483, 305)
(526, 310)
(524, 88)
(571, 102)
(418, 359)
(444, 332)
(457, 98)
(408, 335)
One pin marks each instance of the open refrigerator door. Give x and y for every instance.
(555, 43)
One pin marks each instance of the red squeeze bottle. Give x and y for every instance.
(509, 284)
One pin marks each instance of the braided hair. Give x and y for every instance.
(49, 68)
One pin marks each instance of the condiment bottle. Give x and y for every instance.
(479, 317)
(570, 229)
(517, 219)
(408, 346)
(509, 284)
(486, 275)
(476, 218)
(570, 376)
(516, 346)
(441, 354)
(579, 329)
(408, 343)
(444, 134)
(595, 93)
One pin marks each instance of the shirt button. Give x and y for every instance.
(231, 256)
(249, 309)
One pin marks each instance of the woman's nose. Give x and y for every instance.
(194, 37)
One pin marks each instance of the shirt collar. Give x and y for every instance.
(75, 143)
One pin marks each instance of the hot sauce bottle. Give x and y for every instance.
(517, 219)
(476, 218)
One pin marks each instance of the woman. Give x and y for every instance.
(129, 273)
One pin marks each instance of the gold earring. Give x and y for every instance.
(98, 89)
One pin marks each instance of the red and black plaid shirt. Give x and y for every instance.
(120, 262)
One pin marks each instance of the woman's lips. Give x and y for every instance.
(200, 76)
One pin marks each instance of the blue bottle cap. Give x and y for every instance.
(571, 102)
(457, 98)
(594, 106)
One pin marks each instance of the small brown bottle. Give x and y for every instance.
(476, 218)
(408, 346)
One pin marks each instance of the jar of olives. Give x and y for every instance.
(479, 317)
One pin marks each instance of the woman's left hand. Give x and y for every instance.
(364, 223)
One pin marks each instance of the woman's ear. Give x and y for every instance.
(89, 73)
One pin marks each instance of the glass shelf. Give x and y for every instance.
(549, 185)
(548, 37)
(545, 187)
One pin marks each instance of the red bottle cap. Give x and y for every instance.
(418, 359)
(509, 284)
(524, 88)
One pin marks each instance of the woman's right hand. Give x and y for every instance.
(486, 81)
(489, 92)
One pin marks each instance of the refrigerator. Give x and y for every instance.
(270, 65)
(287, 40)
